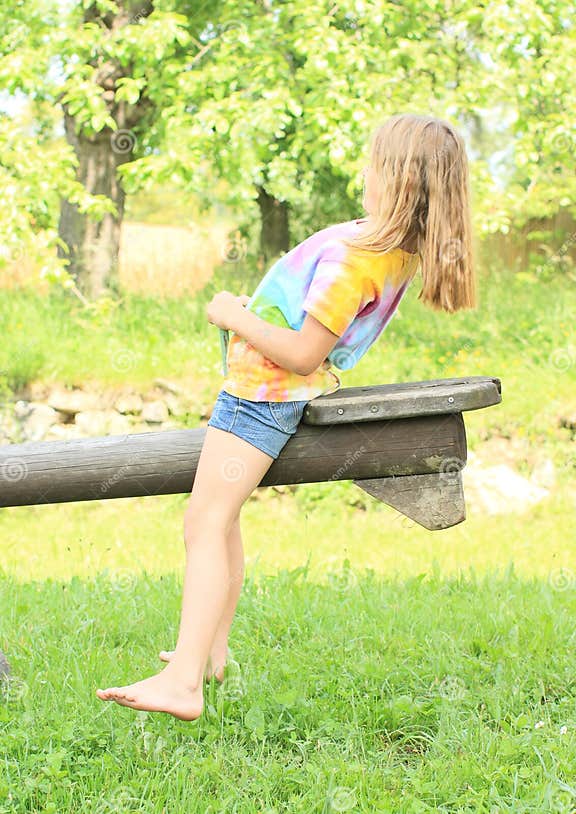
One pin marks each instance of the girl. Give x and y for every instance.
(324, 302)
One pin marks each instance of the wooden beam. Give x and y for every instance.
(434, 501)
(404, 400)
(403, 443)
(156, 463)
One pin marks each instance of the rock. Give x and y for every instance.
(91, 422)
(170, 425)
(63, 432)
(141, 426)
(155, 412)
(102, 422)
(169, 386)
(10, 431)
(119, 424)
(71, 402)
(36, 391)
(22, 409)
(68, 414)
(41, 418)
(175, 407)
(130, 403)
(544, 473)
(498, 489)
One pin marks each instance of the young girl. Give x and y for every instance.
(324, 302)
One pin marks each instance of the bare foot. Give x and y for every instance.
(217, 658)
(164, 692)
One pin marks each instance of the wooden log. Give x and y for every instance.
(403, 443)
(156, 463)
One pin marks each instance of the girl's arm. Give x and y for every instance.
(301, 351)
(282, 346)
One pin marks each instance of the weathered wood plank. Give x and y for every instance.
(403, 400)
(165, 462)
(434, 501)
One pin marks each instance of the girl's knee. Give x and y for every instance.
(208, 521)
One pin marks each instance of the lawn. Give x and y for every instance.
(349, 695)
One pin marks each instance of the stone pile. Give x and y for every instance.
(58, 413)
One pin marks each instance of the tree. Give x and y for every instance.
(92, 246)
(109, 66)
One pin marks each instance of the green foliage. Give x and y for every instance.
(286, 97)
(36, 170)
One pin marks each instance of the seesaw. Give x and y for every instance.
(404, 444)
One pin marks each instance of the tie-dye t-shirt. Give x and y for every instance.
(353, 292)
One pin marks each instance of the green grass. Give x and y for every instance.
(410, 681)
(136, 339)
(378, 667)
(323, 522)
(348, 695)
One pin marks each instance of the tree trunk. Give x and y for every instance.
(93, 245)
(274, 233)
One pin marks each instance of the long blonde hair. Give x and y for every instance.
(423, 198)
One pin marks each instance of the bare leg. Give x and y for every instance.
(219, 649)
(229, 470)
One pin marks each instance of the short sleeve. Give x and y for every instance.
(336, 295)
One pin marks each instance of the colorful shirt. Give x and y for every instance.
(353, 292)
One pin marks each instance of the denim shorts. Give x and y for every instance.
(267, 425)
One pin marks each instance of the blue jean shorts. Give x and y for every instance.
(268, 425)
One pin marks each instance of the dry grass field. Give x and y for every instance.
(155, 259)
(170, 260)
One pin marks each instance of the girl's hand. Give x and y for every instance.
(224, 307)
